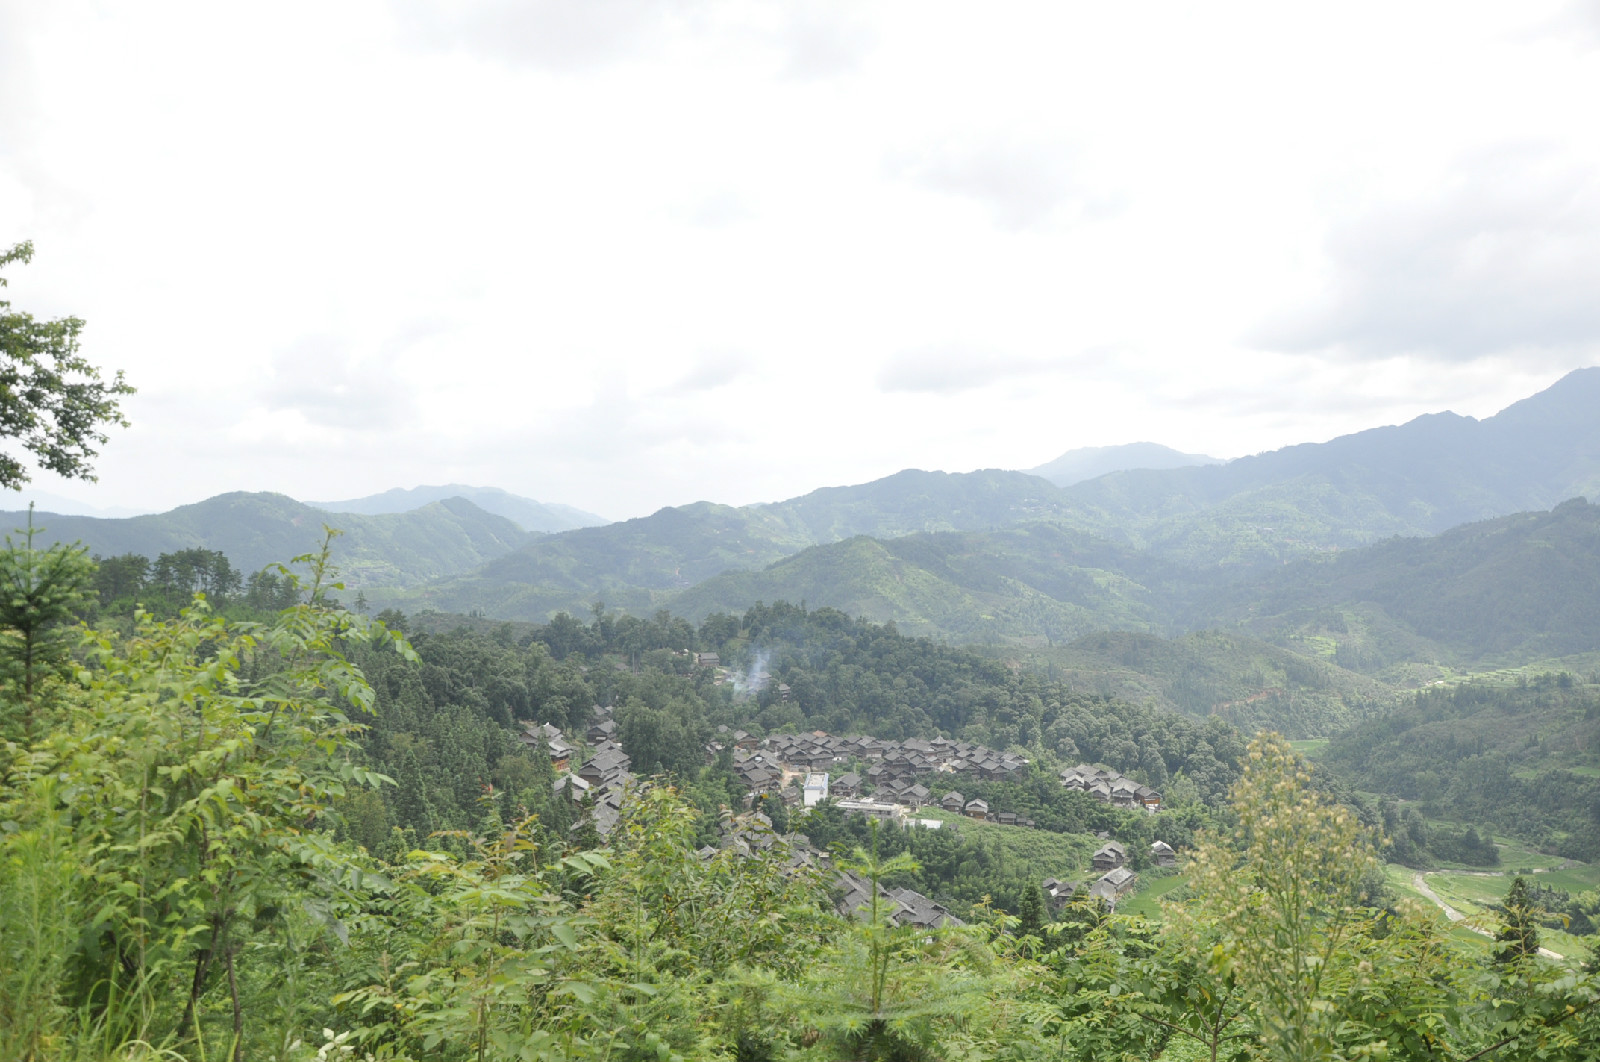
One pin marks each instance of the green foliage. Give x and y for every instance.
(254, 530)
(53, 402)
(1521, 759)
(40, 592)
(895, 993)
(181, 780)
(1518, 936)
(1289, 882)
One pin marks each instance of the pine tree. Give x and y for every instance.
(1518, 938)
(40, 592)
(1030, 912)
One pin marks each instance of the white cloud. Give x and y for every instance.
(623, 254)
(1501, 256)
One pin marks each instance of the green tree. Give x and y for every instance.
(1031, 912)
(1287, 884)
(186, 785)
(116, 578)
(52, 401)
(1518, 938)
(40, 592)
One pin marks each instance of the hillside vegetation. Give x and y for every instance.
(640, 564)
(1515, 588)
(1253, 685)
(254, 530)
(1418, 478)
(1523, 759)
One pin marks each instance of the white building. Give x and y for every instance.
(816, 790)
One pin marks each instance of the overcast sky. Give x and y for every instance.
(624, 254)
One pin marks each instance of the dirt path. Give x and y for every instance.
(1451, 913)
(1421, 884)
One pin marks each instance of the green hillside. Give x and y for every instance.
(1513, 589)
(641, 564)
(1249, 683)
(254, 530)
(1522, 759)
(1032, 584)
(1419, 478)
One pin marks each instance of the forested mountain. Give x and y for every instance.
(535, 516)
(1091, 462)
(1035, 583)
(1418, 478)
(1415, 479)
(1253, 685)
(638, 564)
(253, 530)
(1522, 759)
(1518, 588)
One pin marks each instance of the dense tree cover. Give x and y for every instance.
(256, 529)
(166, 584)
(1521, 587)
(849, 675)
(172, 885)
(1519, 759)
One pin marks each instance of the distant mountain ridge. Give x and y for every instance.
(254, 530)
(1256, 512)
(535, 516)
(640, 563)
(1092, 462)
(1418, 478)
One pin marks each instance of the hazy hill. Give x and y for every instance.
(1513, 589)
(1091, 462)
(641, 563)
(1251, 684)
(1418, 478)
(254, 530)
(45, 502)
(530, 515)
(1036, 583)
(1516, 588)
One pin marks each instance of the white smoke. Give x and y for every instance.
(755, 678)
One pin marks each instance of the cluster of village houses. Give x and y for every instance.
(767, 765)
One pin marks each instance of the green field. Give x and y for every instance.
(1146, 902)
(1050, 855)
(1474, 893)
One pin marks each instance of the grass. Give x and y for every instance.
(1147, 901)
(1474, 894)
(1309, 747)
(1063, 855)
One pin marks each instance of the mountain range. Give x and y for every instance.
(1390, 555)
(1092, 462)
(394, 550)
(535, 516)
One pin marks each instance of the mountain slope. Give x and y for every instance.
(536, 516)
(1251, 684)
(1419, 478)
(641, 563)
(1033, 583)
(254, 530)
(1513, 589)
(1091, 462)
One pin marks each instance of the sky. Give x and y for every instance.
(622, 254)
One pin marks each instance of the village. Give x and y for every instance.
(882, 779)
